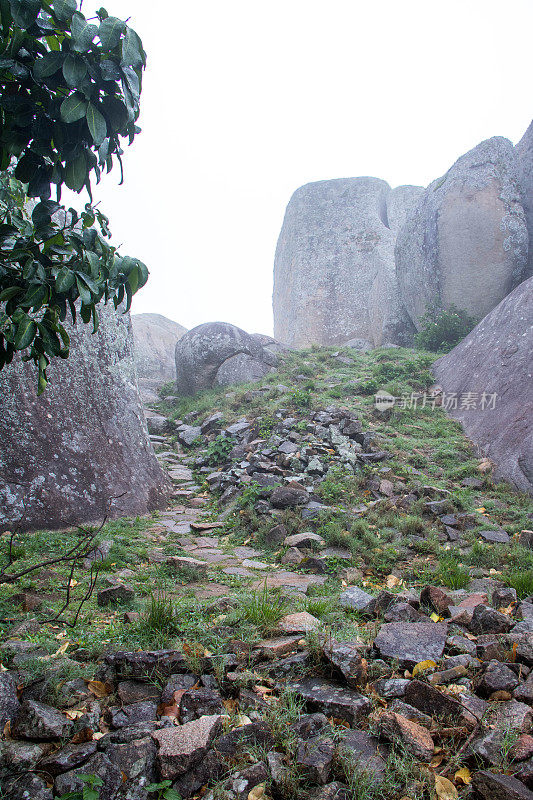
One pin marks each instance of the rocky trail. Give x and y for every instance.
(337, 604)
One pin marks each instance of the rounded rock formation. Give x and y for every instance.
(155, 340)
(524, 157)
(334, 273)
(83, 444)
(495, 364)
(466, 243)
(219, 354)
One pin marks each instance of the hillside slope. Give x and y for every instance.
(337, 604)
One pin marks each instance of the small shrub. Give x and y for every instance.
(218, 451)
(442, 328)
(301, 398)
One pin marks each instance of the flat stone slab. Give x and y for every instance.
(253, 564)
(206, 526)
(333, 699)
(239, 572)
(291, 580)
(185, 745)
(300, 622)
(411, 642)
(245, 552)
(205, 541)
(357, 599)
(498, 537)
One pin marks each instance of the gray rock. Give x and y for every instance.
(289, 496)
(488, 620)
(490, 786)
(414, 737)
(365, 752)
(357, 600)
(66, 454)
(98, 765)
(68, 758)
(305, 539)
(346, 657)
(401, 203)
(118, 593)
(495, 358)
(18, 756)
(40, 722)
(242, 368)
(411, 642)
(332, 698)
(182, 747)
(334, 273)
(136, 759)
(157, 424)
(496, 678)
(26, 787)
(200, 702)
(155, 340)
(496, 537)
(201, 356)
(524, 157)
(9, 704)
(309, 725)
(315, 758)
(466, 242)
(133, 714)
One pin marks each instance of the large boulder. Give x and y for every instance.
(220, 354)
(466, 243)
(334, 272)
(524, 157)
(83, 443)
(401, 202)
(155, 340)
(495, 363)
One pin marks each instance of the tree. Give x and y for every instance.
(70, 90)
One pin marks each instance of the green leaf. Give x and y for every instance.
(64, 9)
(25, 12)
(25, 333)
(47, 65)
(110, 32)
(76, 173)
(97, 125)
(84, 291)
(42, 382)
(64, 280)
(82, 33)
(133, 54)
(74, 70)
(5, 11)
(10, 292)
(73, 108)
(116, 112)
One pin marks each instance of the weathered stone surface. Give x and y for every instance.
(466, 242)
(40, 722)
(411, 642)
(83, 442)
(334, 274)
(17, 756)
(332, 698)
(415, 738)
(358, 600)
(497, 677)
(499, 787)
(300, 622)
(154, 338)
(133, 714)
(200, 702)
(119, 593)
(182, 747)
(401, 203)
(289, 497)
(346, 657)
(488, 620)
(146, 663)
(98, 765)
(9, 704)
(202, 354)
(315, 758)
(69, 757)
(24, 787)
(366, 752)
(524, 158)
(495, 358)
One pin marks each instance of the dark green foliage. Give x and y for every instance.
(443, 328)
(69, 91)
(522, 581)
(301, 398)
(218, 451)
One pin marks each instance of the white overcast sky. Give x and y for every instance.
(244, 101)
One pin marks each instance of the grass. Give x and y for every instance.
(522, 582)
(263, 609)
(452, 574)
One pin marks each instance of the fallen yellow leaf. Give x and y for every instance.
(464, 775)
(257, 792)
(422, 666)
(99, 689)
(445, 789)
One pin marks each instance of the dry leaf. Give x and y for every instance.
(85, 735)
(257, 793)
(435, 617)
(97, 735)
(74, 713)
(422, 666)
(480, 510)
(437, 760)
(392, 581)
(99, 689)
(445, 789)
(464, 775)
(62, 650)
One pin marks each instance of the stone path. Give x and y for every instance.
(198, 539)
